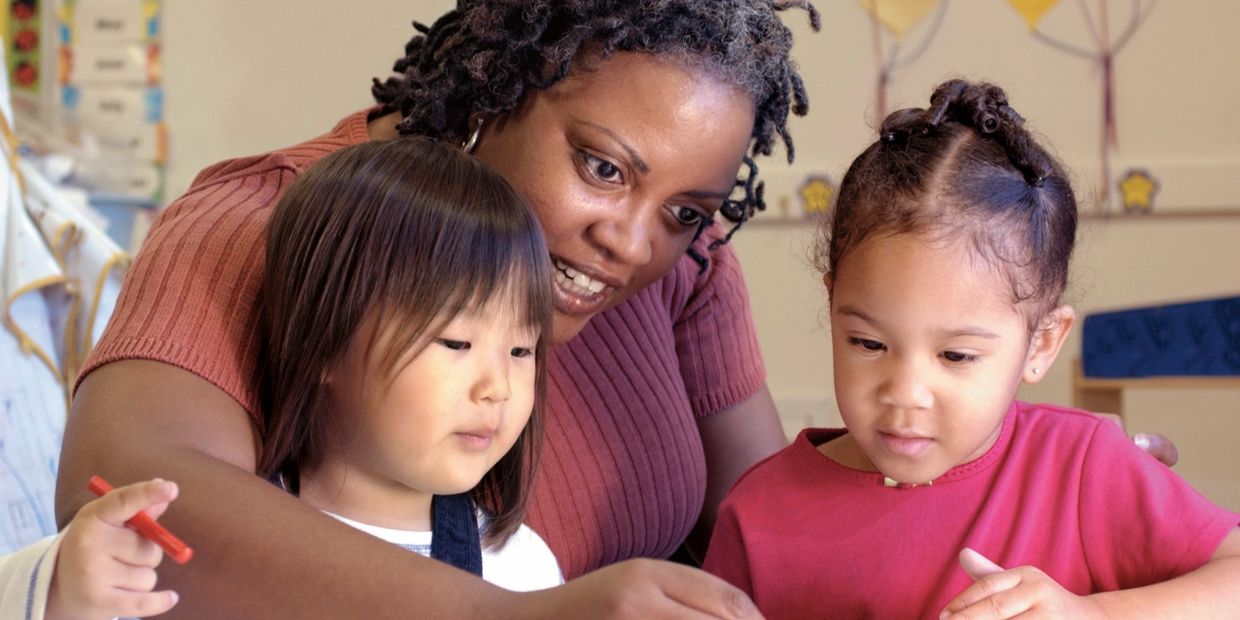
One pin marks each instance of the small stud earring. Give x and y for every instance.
(1035, 371)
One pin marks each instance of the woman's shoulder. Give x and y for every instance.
(273, 170)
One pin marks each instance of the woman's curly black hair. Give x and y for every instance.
(486, 55)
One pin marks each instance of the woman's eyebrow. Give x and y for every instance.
(637, 159)
(707, 194)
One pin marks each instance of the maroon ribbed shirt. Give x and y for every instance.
(623, 472)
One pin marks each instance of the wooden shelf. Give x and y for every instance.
(1107, 395)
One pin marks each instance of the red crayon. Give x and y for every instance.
(148, 527)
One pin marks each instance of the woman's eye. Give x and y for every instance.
(867, 344)
(602, 169)
(957, 357)
(455, 345)
(687, 216)
(522, 352)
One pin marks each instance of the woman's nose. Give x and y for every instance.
(627, 235)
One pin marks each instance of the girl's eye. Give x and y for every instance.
(520, 352)
(602, 169)
(455, 345)
(687, 216)
(867, 344)
(957, 357)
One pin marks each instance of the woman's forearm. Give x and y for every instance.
(1212, 591)
(258, 551)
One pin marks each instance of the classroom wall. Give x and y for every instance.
(246, 76)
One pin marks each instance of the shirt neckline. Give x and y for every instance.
(807, 442)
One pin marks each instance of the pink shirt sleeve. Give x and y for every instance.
(715, 337)
(1159, 528)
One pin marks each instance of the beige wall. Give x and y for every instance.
(245, 76)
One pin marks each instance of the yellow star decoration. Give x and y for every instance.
(1033, 10)
(1138, 188)
(816, 194)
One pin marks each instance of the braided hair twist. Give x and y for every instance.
(485, 56)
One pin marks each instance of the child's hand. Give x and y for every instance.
(105, 569)
(1024, 591)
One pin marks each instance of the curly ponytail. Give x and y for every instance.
(966, 164)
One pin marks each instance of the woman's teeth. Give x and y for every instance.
(576, 281)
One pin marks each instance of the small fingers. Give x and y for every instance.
(976, 599)
(120, 505)
(133, 578)
(142, 604)
(128, 547)
(977, 565)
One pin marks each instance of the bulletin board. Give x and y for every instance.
(110, 84)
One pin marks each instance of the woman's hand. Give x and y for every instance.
(1158, 447)
(104, 569)
(641, 589)
(1154, 444)
(1024, 591)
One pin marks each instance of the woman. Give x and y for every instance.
(624, 124)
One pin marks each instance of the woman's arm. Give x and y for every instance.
(1212, 591)
(733, 439)
(260, 553)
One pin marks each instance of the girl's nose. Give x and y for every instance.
(906, 388)
(492, 382)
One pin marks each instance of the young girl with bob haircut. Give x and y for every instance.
(944, 260)
(406, 303)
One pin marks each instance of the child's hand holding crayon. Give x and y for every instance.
(106, 569)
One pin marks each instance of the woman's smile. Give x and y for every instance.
(577, 292)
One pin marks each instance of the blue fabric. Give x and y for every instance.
(454, 532)
(1199, 338)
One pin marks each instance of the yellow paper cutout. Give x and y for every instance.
(1138, 188)
(816, 194)
(1033, 10)
(898, 16)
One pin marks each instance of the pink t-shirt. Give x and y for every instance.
(623, 473)
(1061, 489)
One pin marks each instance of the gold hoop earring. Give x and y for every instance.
(472, 141)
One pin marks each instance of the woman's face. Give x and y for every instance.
(621, 161)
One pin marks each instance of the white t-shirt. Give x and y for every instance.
(524, 563)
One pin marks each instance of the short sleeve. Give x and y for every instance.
(189, 299)
(1140, 522)
(716, 342)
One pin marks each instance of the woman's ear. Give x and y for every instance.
(1051, 333)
